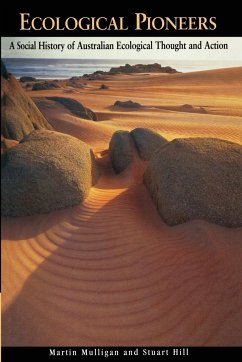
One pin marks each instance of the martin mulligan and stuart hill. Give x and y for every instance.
(139, 22)
(102, 352)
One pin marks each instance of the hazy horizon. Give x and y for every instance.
(56, 68)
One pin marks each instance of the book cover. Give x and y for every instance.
(121, 183)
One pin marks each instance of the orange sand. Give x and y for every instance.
(110, 271)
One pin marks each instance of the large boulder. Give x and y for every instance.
(197, 178)
(20, 116)
(120, 150)
(147, 142)
(75, 107)
(46, 171)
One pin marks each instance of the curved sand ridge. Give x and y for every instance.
(109, 271)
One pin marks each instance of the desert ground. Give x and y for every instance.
(109, 271)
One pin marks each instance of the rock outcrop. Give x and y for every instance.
(120, 150)
(19, 114)
(142, 68)
(46, 85)
(191, 109)
(46, 171)
(27, 79)
(147, 142)
(127, 104)
(197, 178)
(129, 69)
(75, 107)
(104, 86)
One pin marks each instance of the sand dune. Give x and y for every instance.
(110, 271)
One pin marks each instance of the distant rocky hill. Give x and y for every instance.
(129, 69)
(143, 68)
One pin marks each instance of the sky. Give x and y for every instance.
(233, 54)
